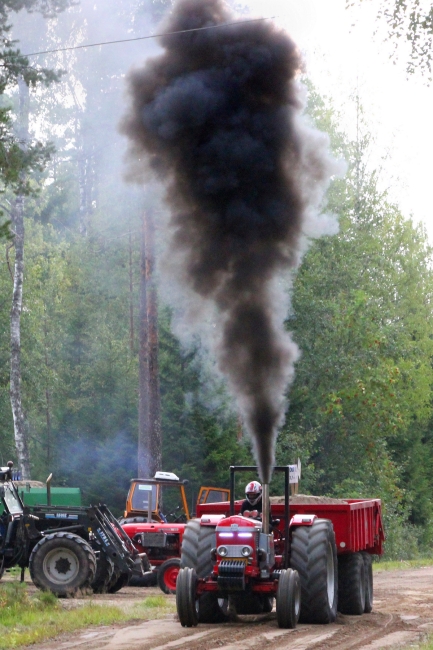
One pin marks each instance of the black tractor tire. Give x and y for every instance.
(368, 570)
(186, 601)
(167, 575)
(188, 552)
(314, 557)
(351, 584)
(196, 554)
(268, 604)
(245, 603)
(62, 563)
(104, 573)
(118, 581)
(288, 599)
(148, 579)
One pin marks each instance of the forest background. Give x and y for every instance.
(360, 415)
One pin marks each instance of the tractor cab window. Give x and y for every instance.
(11, 500)
(213, 495)
(143, 494)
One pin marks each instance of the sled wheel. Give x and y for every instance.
(368, 570)
(62, 563)
(288, 599)
(186, 600)
(351, 584)
(167, 575)
(314, 556)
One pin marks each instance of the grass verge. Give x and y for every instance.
(395, 565)
(27, 619)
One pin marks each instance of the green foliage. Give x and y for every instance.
(19, 155)
(360, 406)
(412, 22)
(359, 414)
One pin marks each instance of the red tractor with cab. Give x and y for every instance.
(312, 555)
(157, 534)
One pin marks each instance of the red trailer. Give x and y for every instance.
(314, 558)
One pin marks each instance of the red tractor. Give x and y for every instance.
(231, 562)
(160, 535)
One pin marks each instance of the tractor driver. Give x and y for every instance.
(253, 505)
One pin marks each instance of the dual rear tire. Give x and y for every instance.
(355, 584)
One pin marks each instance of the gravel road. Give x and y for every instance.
(402, 616)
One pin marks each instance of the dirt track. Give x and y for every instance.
(402, 615)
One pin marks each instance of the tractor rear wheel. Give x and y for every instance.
(368, 569)
(246, 603)
(167, 575)
(288, 599)
(188, 557)
(186, 601)
(268, 604)
(314, 557)
(196, 554)
(351, 584)
(62, 563)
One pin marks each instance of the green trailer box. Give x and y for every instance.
(60, 496)
(32, 495)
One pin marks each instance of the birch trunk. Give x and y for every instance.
(17, 215)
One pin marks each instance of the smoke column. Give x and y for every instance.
(217, 116)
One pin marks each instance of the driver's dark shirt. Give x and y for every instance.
(246, 505)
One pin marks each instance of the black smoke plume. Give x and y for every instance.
(217, 117)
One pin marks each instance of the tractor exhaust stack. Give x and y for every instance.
(265, 508)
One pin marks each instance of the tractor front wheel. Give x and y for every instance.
(118, 581)
(288, 599)
(186, 599)
(104, 573)
(167, 575)
(62, 563)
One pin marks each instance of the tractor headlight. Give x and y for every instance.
(246, 551)
(222, 551)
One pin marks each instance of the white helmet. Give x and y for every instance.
(253, 492)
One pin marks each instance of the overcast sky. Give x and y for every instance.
(342, 55)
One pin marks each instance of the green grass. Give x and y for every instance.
(27, 619)
(394, 565)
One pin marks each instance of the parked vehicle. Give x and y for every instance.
(157, 534)
(66, 548)
(313, 559)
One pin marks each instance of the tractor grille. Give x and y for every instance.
(158, 540)
(231, 575)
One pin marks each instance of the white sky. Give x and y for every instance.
(342, 55)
